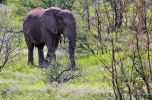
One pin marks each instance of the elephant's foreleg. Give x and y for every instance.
(51, 50)
(41, 54)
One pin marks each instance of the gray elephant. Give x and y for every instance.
(44, 27)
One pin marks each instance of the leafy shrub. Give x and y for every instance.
(58, 73)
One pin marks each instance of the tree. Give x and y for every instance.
(9, 41)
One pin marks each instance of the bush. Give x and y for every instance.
(58, 73)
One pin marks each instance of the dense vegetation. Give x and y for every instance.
(113, 52)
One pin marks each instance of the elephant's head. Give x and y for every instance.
(60, 21)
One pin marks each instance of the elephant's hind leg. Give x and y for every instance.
(30, 55)
(41, 54)
(30, 47)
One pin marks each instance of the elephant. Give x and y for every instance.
(44, 27)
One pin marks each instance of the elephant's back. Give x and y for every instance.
(32, 19)
(35, 13)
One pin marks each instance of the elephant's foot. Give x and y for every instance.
(44, 65)
(49, 60)
(30, 63)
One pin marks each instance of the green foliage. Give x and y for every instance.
(53, 72)
(58, 73)
(48, 3)
(25, 5)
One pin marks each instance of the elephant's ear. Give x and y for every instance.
(48, 22)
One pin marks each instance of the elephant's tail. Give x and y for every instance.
(19, 31)
(16, 31)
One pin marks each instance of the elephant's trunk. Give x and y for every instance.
(72, 44)
(69, 31)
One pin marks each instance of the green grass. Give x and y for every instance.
(18, 81)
